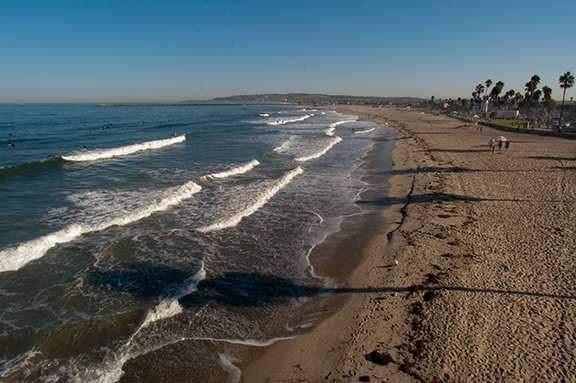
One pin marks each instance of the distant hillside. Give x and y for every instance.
(316, 99)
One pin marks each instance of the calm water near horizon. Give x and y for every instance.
(128, 231)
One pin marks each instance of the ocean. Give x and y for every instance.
(163, 243)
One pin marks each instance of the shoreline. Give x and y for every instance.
(460, 260)
(382, 223)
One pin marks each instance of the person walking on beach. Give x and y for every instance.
(502, 141)
(492, 143)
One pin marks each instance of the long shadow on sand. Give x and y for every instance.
(431, 198)
(428, 169)
(257, 289)
(254, 289)
(552, 158)
(564, 167)
(460, 150)
(458, 169)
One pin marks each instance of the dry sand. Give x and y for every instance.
(472, 277)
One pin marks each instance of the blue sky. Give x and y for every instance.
(172, 50)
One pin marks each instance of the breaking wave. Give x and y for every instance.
(260, 201)
(168, 305)
(284, 146)
(364, 131)
(320, 153)
(99, 154)
(332, 126)
(289, 120)
(112, 370)
(235, 171)
(16, 257)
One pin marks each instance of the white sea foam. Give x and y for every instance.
(320, 218)
(236, 170)
(18, 363)
(113, 370)
(260, 201)
(99, 154)
(332, 126)
(168, 305)
(247, 342)
(264, 115)
(16, 257)
(320, 153)
(285, 145)
(228, 364)
(364, 131)
(335, 124)
(290, 120)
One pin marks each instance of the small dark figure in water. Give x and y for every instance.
(84, 147)
(12, 145)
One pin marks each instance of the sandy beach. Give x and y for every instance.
(469, 275)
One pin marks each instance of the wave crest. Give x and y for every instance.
(321, 152)
(261, 200)
(169, 305)
(16, 257)
(284, 146)
(99, 154)
(289, 120)
(235, 171)
(364, 131)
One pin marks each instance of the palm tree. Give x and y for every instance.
(479, 89)
(566, 81)
(488, 84)
(549, 103)
(533, 94)
(477, 94)
(517, 99)
(496, 91)
(532, 85)
(484, 106)
(509, 97)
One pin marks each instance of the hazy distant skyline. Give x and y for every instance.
(145, 51)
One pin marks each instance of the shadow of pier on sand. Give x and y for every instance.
(255, 289)
(259, 289)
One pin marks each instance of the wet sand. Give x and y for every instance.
(470, 275)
